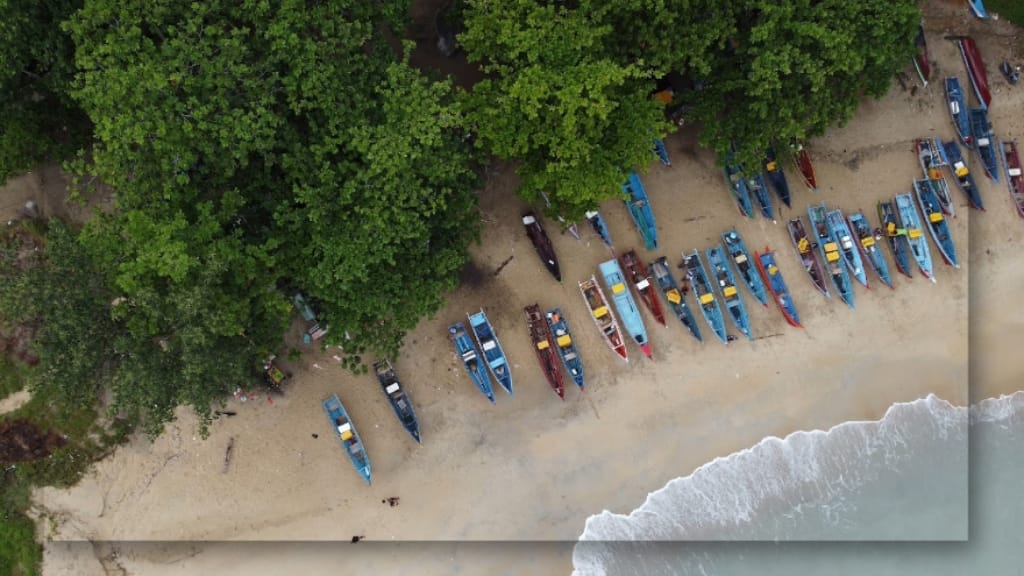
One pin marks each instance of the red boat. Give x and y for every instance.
(546, 349)
(921, 61)
(637, 273)
(975, 69)
(803, 163)
(1011, 159)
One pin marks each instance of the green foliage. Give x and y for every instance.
(1011, 10)
(20, 554)
(12, 377)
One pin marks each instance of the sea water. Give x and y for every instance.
(904, 477)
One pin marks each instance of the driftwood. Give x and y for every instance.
(228, 452)
(503, 264)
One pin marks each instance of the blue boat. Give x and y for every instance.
(841, 232)
(910, 222)
(759, 190)
(491, 349)
(870, 251)
(829, 247)
(936, 222)
(741, 258)
(661, 151)
(662, 274)
(346, 432)
(769, 270)
(961, 173)
(932, 158)
(738, 187)
(471, 359)
(978, 7)
(397, 397)
(701, 284)
(566, 347)
(896, 236)
(625, 304)
(984, 142)
(597, 222)
(640, 210)
(958, 110)
(776, 176)
(721, 273)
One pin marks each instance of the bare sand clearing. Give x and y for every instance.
(534, 467)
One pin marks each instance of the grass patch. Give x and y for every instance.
(11, 377)
(1012, 10)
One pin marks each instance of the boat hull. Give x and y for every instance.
(471, 359)
(542, 244)
(932, 160)
(830, 253)
(1014, 178)
(603, 317)
(397, 397)
(805, 252)
(346, 432)
(599, 226)
(802, 160)
(975, 69)
(747, 269)
(851, 255)
(962, 174)
(640, 209)
(922, 62)
(721, 273)
(935, 222)
(869, 251)
(545, 348)
(777, 177)
(769, 270)
(895, 237)
(491, 349)
(626, 306)
(984, 142)
(957, 106)
(571, 360)
(699, 280)
(910, 222)
(662, 274)
(636, 272)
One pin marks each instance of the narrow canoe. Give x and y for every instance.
(831, 257)
(911, 222)
(346, 431)
(559, 327)
(545, 348)
(397, 397)
(896, 237)
(958, 110)
(467, 351)
(805, 251)
(718, 265)
(661, 152)
(975, 69)
(597, 223)
(625, 305)
(802, 159)
(640, 209)
(978, 7)
(1014, 179)
(738, 188)
(542, 244)
(603, 316)
(777, 176)
(675, 297)
(759, 190)
(637, 274)
(869, 250)
(984, 142)
(961, 173)
(932, 160)
(491, 349)
(921, 61)
(848, 247)
(769, 270)
(698, 278)
(936, 222)
(741, 259)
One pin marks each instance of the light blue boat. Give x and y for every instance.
(661, 151)
(346, 431)
(640, 210)
(936, 222)
(566, 347)
(471, 359)
(599, 226)
(829, 247)
(722, 275)
(872, 254)
(491, 349)
(738, 187)
(910, 222)
(746, 267)
(625, 305)
(978, 7)
(698, 277)
(851, 255)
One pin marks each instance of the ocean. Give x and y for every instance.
(880, 484)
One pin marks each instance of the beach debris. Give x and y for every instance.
(503, 264)
(225, 412)
(315, 436)
(228, 453)
(357, 538)
(390, 501)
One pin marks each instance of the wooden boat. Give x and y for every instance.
(978, 7)
(921, 62)
(776, 176)
(718, 265)
(662, 274)
(626, 306)
(559, 327)
(396, 395)
(661, 152)
(542, 244)
(636, 272)
(958, 110)
(545, 348)
(640, 210)
(931, 159)
(467, 351)
(701, 284)
(491, 349)
(961, 173)
(769, 270)
(896, 237)
(759, 190)
(802, 159)
(847, 246)
(829, 247)
(346, 431)
(936, 222)
(805, 251)
(975, 69)
(1014, 179)
(984, 142)
(738, 188)
(910, 222)
(597, 222)
(870, 252)
(603, 316)
(741, 259)
(570, 227)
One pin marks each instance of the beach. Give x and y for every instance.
(533, 467)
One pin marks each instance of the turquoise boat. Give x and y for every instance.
(661, 151)
(769, 270)
(910, 222)
(851, 255)
(566, 347)
(741, 259)
(471, 359)
(829, 247)
(662, 274)
(722, 274)
(698, 277)
(626, 305)
(346, 432)
(869, 250)
(738, 187)
(936, 222)
(640, 210)
(491, 348)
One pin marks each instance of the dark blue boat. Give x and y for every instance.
(491, 349)
(662, 274)
(961, 173)
(769, 270)
(984, 142)
(829, 247)
(661, 151)
(346, 432)
(566, 347)
(895, 236)
(722, 274)
(870, 251)
(738, 187)
(471, 359)
(701, 284)
(640, 210)
(759, 190)
(741, 258)
(597, 222)
(396, 395)
(935, 221)
(958, 110)
(776, 176)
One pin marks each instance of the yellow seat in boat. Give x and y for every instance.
(772, 270)
(707, 298)
(831, 247)
(962, 171)
(771, 166)
(832, 256)
(601, 312)
(867, 242)
(729, 291)
(935, 217)
(914, 233)
(543, 345)
(564, 340)
(803, 245)
(346, 435)
(618, 288)
(891, 229)
(674, 296)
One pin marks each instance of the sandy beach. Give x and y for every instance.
(532, 467)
